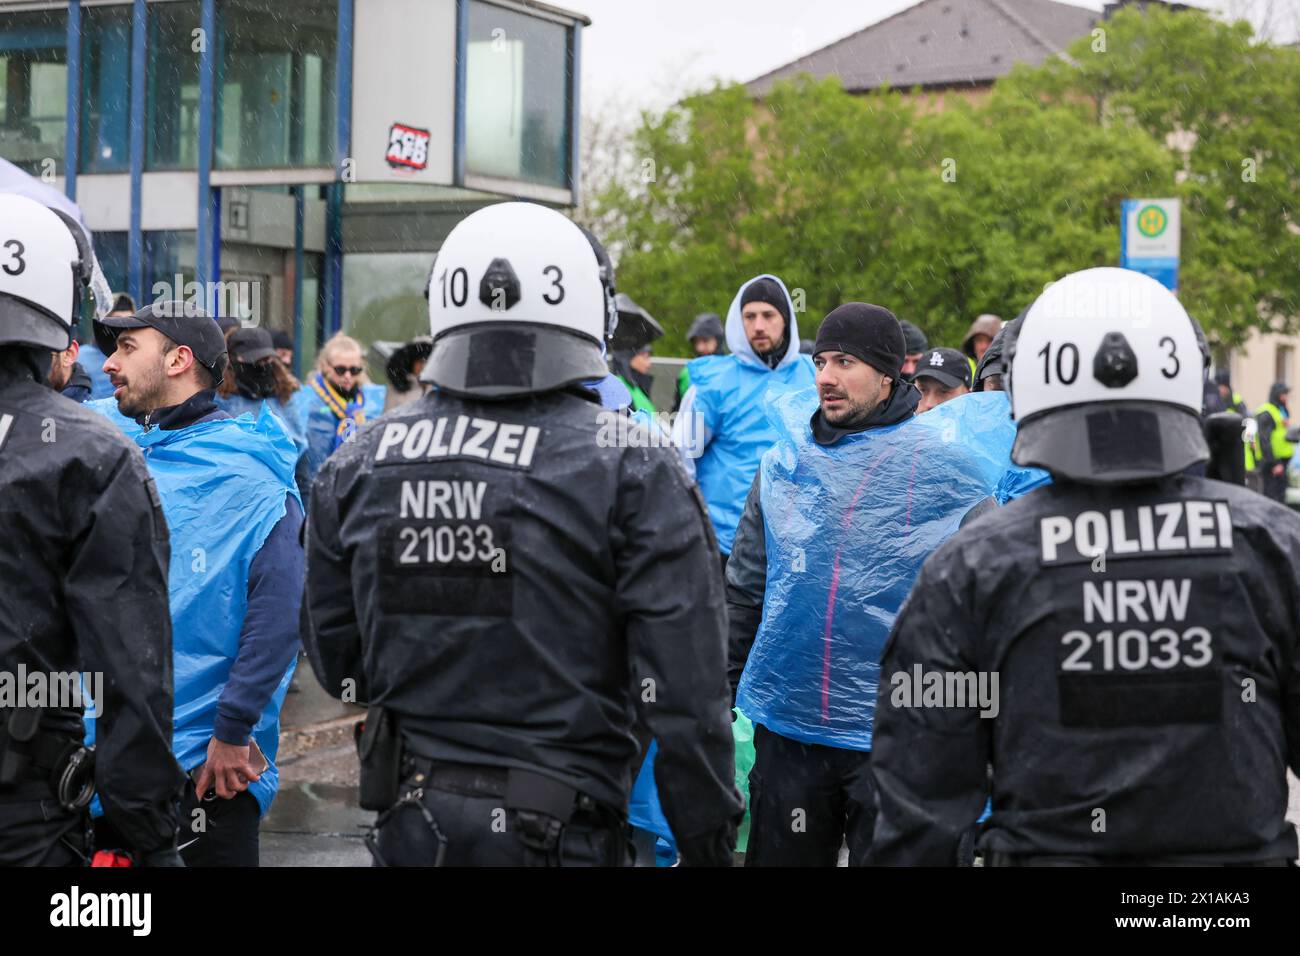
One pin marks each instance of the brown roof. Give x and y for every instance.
(943, 43)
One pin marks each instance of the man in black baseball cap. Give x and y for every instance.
(942, 375)
(164, 361)
(283, 343)
(238, 611)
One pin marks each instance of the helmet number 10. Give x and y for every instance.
(459, 296)
(1064, 376)
(16, 264)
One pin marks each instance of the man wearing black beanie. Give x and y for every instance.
(762, 303)
(836, 525)
(859, 356)
(915, 345)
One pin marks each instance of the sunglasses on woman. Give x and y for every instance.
(341, 370)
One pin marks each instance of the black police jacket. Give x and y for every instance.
(518, 593)
(1147, 704)
(84, 567)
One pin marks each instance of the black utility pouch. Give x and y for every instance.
(379, 746)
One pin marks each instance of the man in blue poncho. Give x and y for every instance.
(236, 575)
(722, 428)
(845, 508)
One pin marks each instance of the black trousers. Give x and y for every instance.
(805, 800)
(1274, 485)
(224, 834)
(38, 832)
(477, 830)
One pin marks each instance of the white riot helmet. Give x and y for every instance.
(44, 266)
(1106, 380)
(516, 305)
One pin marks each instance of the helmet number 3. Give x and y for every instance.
(1173, 354)
(555, 285)
(16, 264)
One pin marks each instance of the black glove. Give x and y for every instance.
(715, 848)
(163, 856)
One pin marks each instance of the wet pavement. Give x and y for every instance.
(316, 820)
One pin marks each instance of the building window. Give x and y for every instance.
(517, 100)
(33, 88)
(172, 104)
(111, 252)
(170, 259)
(383, 297)
(275, 91)
(105, 89)
(1282, 364)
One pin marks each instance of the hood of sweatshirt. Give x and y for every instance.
(738, 343)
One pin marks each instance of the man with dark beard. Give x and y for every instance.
(722, 427)
(846, 505)
(236, 574)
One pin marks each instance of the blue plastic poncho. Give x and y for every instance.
(1017, 480)
(92, 360)
(223, 485)
(848, 527)
(322, 424)
(726, 401)
(291, 413)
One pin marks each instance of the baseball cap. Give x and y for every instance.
(182, 322)
(947, 366)
(250, 345)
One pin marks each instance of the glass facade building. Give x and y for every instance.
(34, 88)
(230, 121)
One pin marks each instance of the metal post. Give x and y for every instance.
(462, 67)
(574, 114)
(299, 209)
(139, 59)
(342, 150)
(72, 132)
(208, 226)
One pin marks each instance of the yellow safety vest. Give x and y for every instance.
(1281, 448)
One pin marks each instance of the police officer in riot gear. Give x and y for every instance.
(509, 593)
(85, 588)
(1140, 623)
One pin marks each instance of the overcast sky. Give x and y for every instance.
(648, 52)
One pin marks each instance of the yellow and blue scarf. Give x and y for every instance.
(351, 414)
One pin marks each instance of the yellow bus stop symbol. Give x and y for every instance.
(1152, 221)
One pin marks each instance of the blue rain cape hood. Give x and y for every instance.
(223, 484)
(730, 392)
(848, 527)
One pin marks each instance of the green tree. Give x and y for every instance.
(941, 214)
(1227, 109)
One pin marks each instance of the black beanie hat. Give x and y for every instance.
(914, 339)
(765, 290)
(868, 332)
